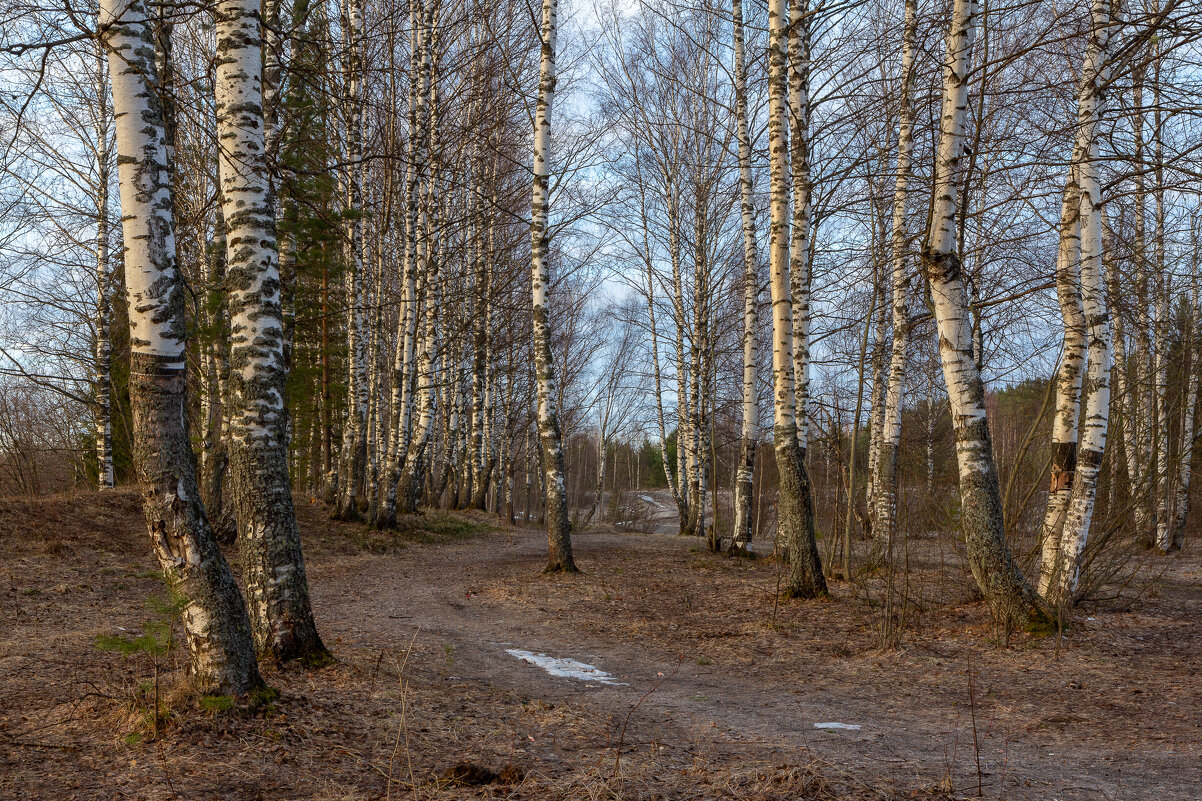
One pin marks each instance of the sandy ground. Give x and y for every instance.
(716, 690)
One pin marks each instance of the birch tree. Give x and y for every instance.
(749, 436)
(1002, 583)
(354, 444)
(1062, 584)
(559, 542)
(276, 584)
(1068, 375)
(884, 512)
(795, 512)
(103, 347)
(214, 616)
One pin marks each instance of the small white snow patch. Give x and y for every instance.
(652, 501)
(840, 726)
(566, 668)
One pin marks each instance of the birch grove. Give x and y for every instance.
(776, 277)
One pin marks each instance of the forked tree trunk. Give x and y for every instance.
(276, 585)
(884, 498)
(1068, 375)
(1062, 582)
(795, 511)
(1003, 585)
(1094, 76)
(559, 541)
(214, 616)
(749, 438)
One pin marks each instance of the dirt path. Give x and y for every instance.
(479, 597)
(719, 688)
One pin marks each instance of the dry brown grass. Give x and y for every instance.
(407, 700)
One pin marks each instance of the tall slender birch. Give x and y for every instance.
(795, 511)
(276, 585)
(214, 616)
(406, 335)
(102, 356)
(1068, 374)
(884, 510)
(1001, 582)
(749, 437)
(1189, 422)
(1164, 481)
(803, 190)
(354, 446)
(1062, 583)
(559, 542)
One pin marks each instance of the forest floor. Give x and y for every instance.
(715, 693)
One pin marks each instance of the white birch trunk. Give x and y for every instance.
(276, 586)
(354, 445)
(749, 436)
(1010, 597)
(404, 367)
(795, 513)
(884, 510)
(215, 622)
(1094, 76)
(559, 543)
(103, 346)
(799, 246)
(1068, 374)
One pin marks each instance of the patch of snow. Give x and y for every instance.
(652, 501)
(566, 668)
(840, 726)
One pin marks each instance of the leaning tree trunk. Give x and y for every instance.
(749, 439)
(103, 348)
(1003, 585)
(276, 586)
(559, 541)
(884, 498)
(1068, 376)
(214, 616)
(795, 510)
